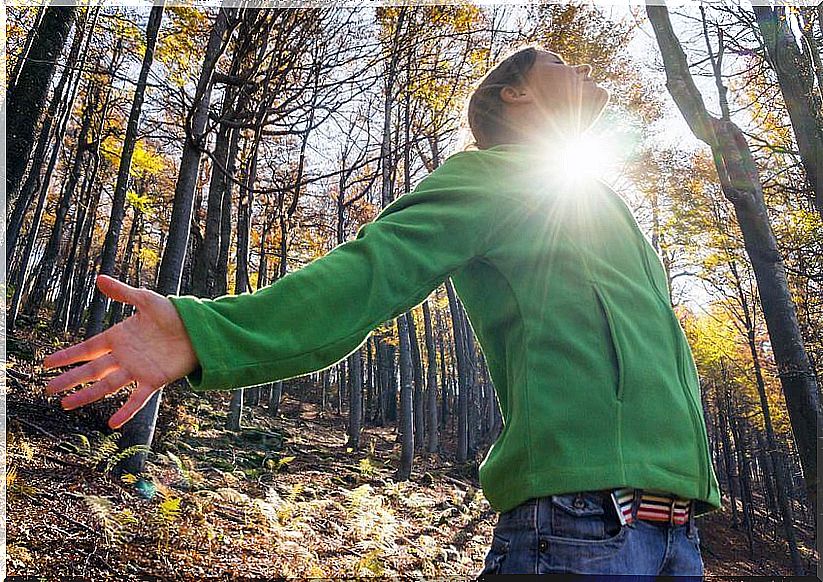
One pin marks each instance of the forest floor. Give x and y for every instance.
(284, 497)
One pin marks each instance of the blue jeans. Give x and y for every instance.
(582, 534)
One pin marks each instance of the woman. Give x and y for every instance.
(603, 462)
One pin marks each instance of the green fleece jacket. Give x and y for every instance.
(570, 303)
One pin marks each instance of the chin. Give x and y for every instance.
(596, 106)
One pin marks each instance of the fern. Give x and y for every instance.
(371, 562)
(84, 441)
(286, 510)
(17, 447)
(116, 524)
(119, 455)
(284, 461)
(169, 509)
(367, 469)
(128, 478)
(105, 448)
(14, 486)
(184, 472)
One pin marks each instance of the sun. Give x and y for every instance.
(586, 156)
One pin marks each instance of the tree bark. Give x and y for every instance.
(34, 179)
(355, 399)
(406, 424)
(745, 480)
(26, 101)
(235, 410)
(462, 375)
(50, 253)
(134, 431)
(796, 79)
(775, 465)
(177, 242)
(433, 440)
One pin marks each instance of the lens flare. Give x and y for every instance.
(585, 157)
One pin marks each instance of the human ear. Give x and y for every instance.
(513, 95)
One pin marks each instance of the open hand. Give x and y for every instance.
(150, 348)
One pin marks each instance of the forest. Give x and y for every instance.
(213, 150)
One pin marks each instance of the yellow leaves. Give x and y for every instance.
(148, 257)
(146, 161)
(460, 17)
(128, 31)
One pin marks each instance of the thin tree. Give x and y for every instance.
(118, 204)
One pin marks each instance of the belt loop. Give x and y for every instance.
(692, 524)
(635, 503)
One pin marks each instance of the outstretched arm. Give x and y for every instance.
(317, 315)
(303, 322)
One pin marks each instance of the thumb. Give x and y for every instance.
(118, 291)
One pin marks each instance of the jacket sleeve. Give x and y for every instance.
(315, 316)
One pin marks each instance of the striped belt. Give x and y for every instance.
(654, 506)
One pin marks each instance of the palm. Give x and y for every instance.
(150, 348)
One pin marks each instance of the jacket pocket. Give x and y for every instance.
(616, 355)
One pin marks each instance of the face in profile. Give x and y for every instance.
(559, 98)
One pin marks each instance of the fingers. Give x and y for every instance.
(136, 401)
(94, 370)
(118, 291)
(108, 385)
(88, 350)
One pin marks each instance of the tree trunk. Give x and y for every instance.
(473, 416)
(177, 242)
(745, 482)
(140, 429)
(49, 259)
(274, 397)
(731, 472)
(740, 184)
(462, 375)
(221, 270)
(80, 290)
(432, 443)
(355, 399)
(26, 101)
(235, 410)
(392, 391)
(368, 405)
(775, 465)
(24, 53)
(34, 179)
(382, 382)
(417, 371)
(796, 80)
(406, 424)
(386, 146)
(85, 268)
(118, 204)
